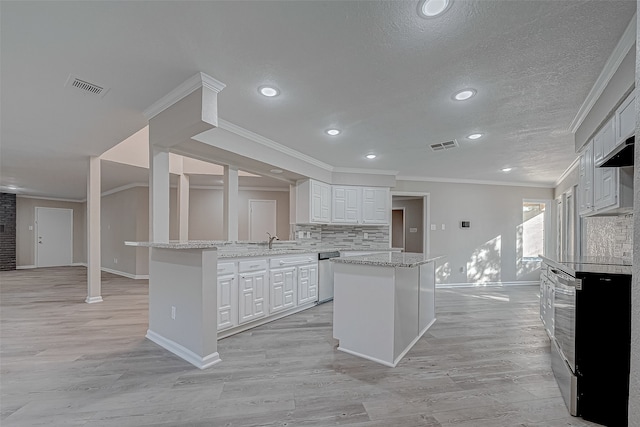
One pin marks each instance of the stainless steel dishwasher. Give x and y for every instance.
(325, 276)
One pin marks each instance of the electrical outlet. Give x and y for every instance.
(308, 234)
(434, 227)
(115, 260)
(31, 228)
(443, 226)
(173, 312)
(300, 234)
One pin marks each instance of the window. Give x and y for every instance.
(533, 221)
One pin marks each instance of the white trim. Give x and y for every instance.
(365, 171)
(24, 267)
(124, 274)
(224, 333)
(57, 199)
(364, 356)
(472, 181)
(124, 187)
(623, 47)
(479, 285)
(187, 88)
(228, 126)
(79, 264)
(28, 267)
(567, 171)
(93, 300)
(218, 187)
(183, 352)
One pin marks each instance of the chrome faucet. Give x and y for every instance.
(271, 239)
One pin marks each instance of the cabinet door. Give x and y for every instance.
(251, 296)
(375, 205)
(282, 284)
(585, 183)
(320, 202)
(227, 302)
(625, 118)
(345, 205)
(606, 187)
(307, 283)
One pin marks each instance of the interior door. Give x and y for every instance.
(262, 219)
(54, 237)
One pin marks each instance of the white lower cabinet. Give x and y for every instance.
(227, 296)
(307, 283)
(282, 285)
(252, 290)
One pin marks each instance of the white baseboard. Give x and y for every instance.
(93, 300)
(79, 264)
(24, 267)
(183, 352)
(124, 274)
(488, 284)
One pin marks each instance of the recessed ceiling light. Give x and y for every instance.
(465, 94)
(371, 156)
(276, 171)
(506, 169)
(333, 132)
(474, 136)
(268, 91)
(431, 8)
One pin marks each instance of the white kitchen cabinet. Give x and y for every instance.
(252, 287)
(227, 302)
(585, 180)
(282, 285)
(313, 202)
(346, 205)
(604, 141)
(625, 119)
(307, 283)
(375, 205)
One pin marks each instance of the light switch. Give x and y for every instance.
(434, 227)
(308, 234)
(31, 228)
(443, 226)
(300, 234)
(413, 230)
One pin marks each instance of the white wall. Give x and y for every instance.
(488, 251)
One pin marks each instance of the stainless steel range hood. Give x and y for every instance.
(621, 156)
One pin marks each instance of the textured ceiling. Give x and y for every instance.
(374, 69)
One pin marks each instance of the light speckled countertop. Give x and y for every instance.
(393, 259)
(228, 249)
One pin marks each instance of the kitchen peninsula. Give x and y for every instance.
(383, 304)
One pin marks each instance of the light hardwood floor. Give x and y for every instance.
(67, 363)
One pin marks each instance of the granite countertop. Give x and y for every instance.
(394, 259)
(591, 265)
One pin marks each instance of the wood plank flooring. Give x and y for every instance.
(67, 363)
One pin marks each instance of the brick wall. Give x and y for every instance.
(7, 231)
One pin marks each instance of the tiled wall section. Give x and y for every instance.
(609, 236)
(7, 231)
(344, 236)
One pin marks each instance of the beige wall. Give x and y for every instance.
(121, 221)
(489, 250)
(25, 238)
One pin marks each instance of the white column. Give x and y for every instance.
(158, 194)
(230, 216)
(94, 284)
(183, 207)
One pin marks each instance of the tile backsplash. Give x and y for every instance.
(609, 236)
(346, 236)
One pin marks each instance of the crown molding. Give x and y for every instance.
(623, 47)
(252, 136)
(187, 88)
(124, 187)
(472, 181)
(567, 171)
(365, 171)
(56, 199)
(240, 188)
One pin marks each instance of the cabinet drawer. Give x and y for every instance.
(288, 261)
(226, 268)
(252, 265)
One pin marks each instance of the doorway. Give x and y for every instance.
(262, 219)
(397, 228)
(54, 237)
(415, 208)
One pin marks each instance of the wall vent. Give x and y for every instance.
(441, 146)
(86, 86)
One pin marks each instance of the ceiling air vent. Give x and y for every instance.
(441, 146)
(86, 86)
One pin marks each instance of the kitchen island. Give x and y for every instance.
(383, 304)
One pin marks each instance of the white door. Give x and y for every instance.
(227, 302)
(54, 237)
(262, 219)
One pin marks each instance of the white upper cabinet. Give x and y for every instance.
(585, 180)
(313, 202)
(375, 205)
(345, 205)
(625, 119)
